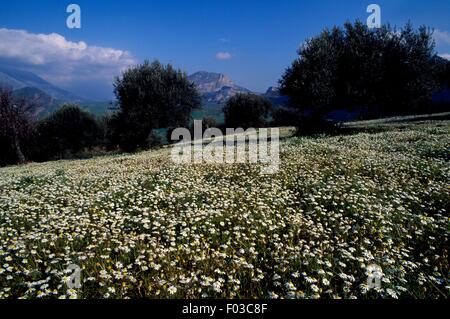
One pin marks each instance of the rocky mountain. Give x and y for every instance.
(215, 87)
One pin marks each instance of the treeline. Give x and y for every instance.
(70, 132)
(378, 72)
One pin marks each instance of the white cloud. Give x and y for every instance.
(223, 56)
(445, 56)
(61, 61)
(441, 37)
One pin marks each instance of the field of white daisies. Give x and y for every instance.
(140, 226)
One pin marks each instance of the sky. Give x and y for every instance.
(251, 41)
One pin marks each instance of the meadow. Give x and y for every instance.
(141, 227)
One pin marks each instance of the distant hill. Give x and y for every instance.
(46, 96)
(42, 102)
(212, 110)
(18, 79)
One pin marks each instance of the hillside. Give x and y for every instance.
(142, 227)
(41, 101)
(19, 79)
(44, 95)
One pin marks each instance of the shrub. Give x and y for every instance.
(247, 110)
(65, 133)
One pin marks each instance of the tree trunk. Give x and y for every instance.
(20, 157)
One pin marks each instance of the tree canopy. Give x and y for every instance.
(67, 131)
(152, 96)
(386, 71)
(246, 110)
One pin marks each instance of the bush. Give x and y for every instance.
(247, 110)
(65, 133)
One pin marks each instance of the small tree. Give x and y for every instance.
(246, 110)
(151, 96)
(15, 124)
(65, 132)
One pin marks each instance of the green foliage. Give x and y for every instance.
(444, 72)
(65, 132)
(107, 124)
(151, 96)
(247, 110)
(7, 154)
(283, 116)
(384, 71)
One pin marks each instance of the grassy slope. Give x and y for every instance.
(142, 227)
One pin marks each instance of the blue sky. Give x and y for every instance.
(252, 41)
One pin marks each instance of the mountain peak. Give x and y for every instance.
(215, 87)
(208, 82)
